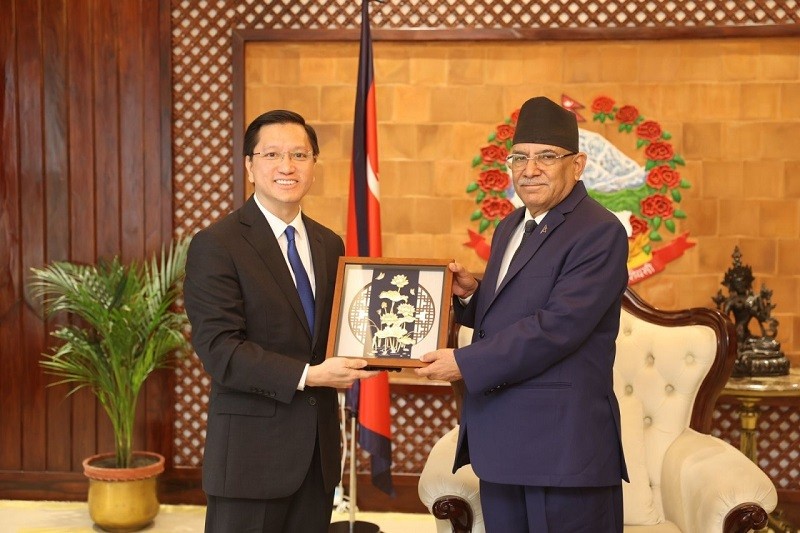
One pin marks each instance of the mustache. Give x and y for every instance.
(531, 181)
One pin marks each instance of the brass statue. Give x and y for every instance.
(758, 355)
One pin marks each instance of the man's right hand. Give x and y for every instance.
(464, 283)
(338, 372)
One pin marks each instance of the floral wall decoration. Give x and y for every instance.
(646, 198)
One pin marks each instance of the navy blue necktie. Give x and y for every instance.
(530, 225)
(301, 277)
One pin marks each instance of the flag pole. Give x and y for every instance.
(353, 484)
(372, 419)
(352, 525)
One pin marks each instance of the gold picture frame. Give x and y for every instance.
(390, 311)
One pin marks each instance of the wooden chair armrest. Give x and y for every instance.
(456, 510)
(745, 517)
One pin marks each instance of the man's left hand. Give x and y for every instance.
(442, 365)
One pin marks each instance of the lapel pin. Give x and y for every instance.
(544, 229)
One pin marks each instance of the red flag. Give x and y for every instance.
(369, 398)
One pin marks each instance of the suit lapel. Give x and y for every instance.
(256, 231)
(499, 245)
(551, 221)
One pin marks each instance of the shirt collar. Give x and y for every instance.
(278, 226)
(538, 218)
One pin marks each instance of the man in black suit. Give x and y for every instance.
(258, 291)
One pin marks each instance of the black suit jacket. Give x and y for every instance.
(250, 332)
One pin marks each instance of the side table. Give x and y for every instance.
(750, 391)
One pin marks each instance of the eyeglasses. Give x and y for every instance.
(297, 156)
(547, 159)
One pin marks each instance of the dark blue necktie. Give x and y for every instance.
(530, 225)
(301, 277)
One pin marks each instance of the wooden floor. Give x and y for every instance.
(73, 517)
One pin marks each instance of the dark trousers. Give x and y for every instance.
(306, 511)
(518, 508)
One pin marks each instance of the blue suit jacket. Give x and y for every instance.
(539, 407)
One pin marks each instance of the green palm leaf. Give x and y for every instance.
(127, 327)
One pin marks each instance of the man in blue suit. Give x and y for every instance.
(540, 423)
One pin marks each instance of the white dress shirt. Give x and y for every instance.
(278, 227)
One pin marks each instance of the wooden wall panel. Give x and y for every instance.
(131, 132)
(157, 182)
(84, 147)
(82, 195)
(56, 187)
(106, 113)
(12, 355)
(32, 245)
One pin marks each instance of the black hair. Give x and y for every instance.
(277, 116)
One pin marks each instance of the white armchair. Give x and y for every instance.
(669, 369)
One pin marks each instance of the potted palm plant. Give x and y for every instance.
(123, 326)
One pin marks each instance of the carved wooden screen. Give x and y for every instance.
(778, 438)
(203, 100)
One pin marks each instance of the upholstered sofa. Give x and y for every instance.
(670, 367)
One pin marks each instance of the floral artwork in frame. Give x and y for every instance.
(390, 311)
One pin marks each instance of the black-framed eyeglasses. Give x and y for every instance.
(298, 156)
(546, 159)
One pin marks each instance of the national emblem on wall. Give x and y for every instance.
(644, 196)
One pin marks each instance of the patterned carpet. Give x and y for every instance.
(72, 517)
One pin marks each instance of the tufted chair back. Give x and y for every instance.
(669, 369)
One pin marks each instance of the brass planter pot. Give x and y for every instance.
(123, 499)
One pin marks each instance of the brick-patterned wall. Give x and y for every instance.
(732, 106)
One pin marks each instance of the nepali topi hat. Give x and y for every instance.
(542, 121)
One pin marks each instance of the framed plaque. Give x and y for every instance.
(390, 311)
